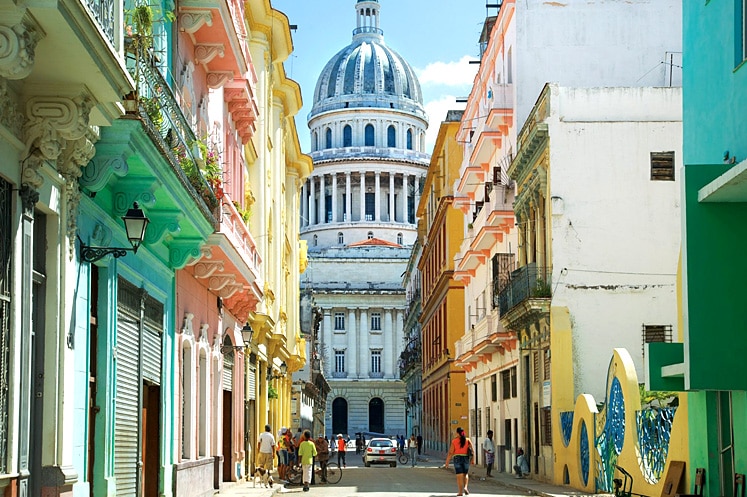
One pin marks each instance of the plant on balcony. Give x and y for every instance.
(196, 179)
(245, 213)
(542, 289)
(152, 107)
(272, 392)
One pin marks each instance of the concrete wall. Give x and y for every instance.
(616, 233)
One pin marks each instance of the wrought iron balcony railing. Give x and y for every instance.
(104, 13)
(159, 110)
(527, 282)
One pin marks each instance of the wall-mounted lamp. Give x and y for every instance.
(283, 371)
(135, 224)
(246, 335)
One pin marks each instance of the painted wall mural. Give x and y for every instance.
(619, 433)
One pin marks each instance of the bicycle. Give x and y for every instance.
(294, 474)
(402, 456)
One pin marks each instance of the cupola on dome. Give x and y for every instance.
(367, 73)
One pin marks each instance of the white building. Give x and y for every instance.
(358, 216)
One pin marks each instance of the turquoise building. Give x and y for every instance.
(709, 361)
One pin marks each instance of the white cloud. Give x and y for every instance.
(436, 110)
(457, 73)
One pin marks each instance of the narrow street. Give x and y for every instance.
(427, 479)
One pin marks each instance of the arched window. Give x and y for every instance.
(409, 139)
(328, 138)
(314, 142)
(347, 136)
(391, 137)
(369, 135)
(316, 240)
(187, 419)
(399, 238)
(202, 426)
(370, 235)
(340, 238)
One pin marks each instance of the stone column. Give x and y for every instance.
(348, 200)
(363, 348)
(417, 192)
(327, 337)
(363, 196)
(377, 202)
(312, 213)
(322, 212)
(405, 178)
(388, 349)
(352, 344)
(391, 197)
(334, 197)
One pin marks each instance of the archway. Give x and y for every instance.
(376, 415)
(339, 416)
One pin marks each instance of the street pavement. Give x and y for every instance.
(429, 470)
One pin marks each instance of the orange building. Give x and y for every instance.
(440, 231)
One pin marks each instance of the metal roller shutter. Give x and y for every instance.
(126, 417)
(153, 332)
(252, 382)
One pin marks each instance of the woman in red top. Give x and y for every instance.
(463, 454)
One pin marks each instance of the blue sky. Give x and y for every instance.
(437, 38)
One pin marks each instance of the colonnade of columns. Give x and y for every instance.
(358, 341)
(315, 192)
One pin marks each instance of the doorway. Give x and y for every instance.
(227, 434)
(151, 440)
(376, 415)
(339, 416)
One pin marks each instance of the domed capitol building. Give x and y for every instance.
(367, 129)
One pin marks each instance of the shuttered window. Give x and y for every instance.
(662, 166)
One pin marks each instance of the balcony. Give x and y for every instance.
(526, 297)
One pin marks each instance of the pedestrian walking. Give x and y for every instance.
(488, 448)
(265, 449)
(307, 452)
(282, 450)
(460, 450)
(322, 456)
(521, 468)
(341, 451)
(412, 447)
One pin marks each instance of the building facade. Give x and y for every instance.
(705, 364)
(367, 129)
(440, 231)
(132, 363)
(485, 196)
(411, 357)
(520, 51)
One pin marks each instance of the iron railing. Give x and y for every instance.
(103, 12)
(527, 282)
(158, 108)
(6, 260)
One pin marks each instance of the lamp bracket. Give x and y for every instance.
(93, 254)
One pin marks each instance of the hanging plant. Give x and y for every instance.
(272, 393)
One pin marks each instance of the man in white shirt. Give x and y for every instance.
(266, 449)
(488, 448)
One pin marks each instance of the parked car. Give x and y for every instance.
(380, 451)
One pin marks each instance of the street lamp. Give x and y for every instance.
(283, 371)
(246, 335)
(135, 224)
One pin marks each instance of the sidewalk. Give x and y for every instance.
(527, 485)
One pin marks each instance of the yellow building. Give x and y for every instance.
(277, 168)
(440, 229)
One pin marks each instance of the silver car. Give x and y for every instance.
(380, 451)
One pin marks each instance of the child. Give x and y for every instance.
(306, 453)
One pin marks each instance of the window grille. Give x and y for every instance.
(514, 391)
(494, 387)
(546, 426)
(546, 368)
(506, 384)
